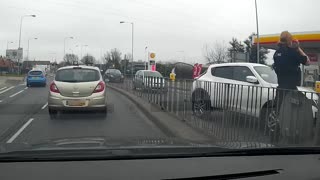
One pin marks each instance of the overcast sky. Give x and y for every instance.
(174, 29)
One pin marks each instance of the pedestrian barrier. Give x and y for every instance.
(241, 115)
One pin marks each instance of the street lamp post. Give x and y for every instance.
(21, 19)
(258, 38)
(132, 31)
(29, 47)
(146, 56)
(81, 46)
(64, 45)
(9, 42)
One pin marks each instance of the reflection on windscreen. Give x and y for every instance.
(152, 74)
(77, 75)
(267, 74)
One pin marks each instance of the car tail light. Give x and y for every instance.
(54, 88)
(100, 87)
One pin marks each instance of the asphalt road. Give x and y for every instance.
(24, 118)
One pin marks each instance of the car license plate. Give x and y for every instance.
(35, 78)
(76, 103)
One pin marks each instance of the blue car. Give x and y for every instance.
(36, 77)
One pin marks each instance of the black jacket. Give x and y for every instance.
(287, 67)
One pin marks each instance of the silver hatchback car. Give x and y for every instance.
(77, 88)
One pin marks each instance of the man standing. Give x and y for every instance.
(287, 60)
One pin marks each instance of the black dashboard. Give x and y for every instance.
(232, 167)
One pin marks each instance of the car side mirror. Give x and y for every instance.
(252, 79)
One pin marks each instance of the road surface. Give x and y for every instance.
(24, 118)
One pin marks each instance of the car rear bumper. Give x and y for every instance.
(91, 103)
(39, 81)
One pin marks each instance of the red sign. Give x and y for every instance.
(195, 71)
(313, 57)
(199, 70)
(153, 67)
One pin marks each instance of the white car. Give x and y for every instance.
(78, 88)
(248, 88)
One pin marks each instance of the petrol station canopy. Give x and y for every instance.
(309, 41)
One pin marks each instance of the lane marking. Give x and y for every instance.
(26, 88)
(13, 95)
(2, 88)
(6, 89)
(44, 106)
(19, 131)
(22, 84)
(0, 101)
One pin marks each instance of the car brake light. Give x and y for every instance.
(100, 87)
(53, 88)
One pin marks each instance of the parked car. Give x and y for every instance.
(36, 77)
(77, 88)
(148, 79)
(113, 75)
(247, 88)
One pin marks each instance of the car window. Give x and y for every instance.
(267, 74)
(77, 75)
(223, 72)
(152, 74)
(240, 73)
(35, 73)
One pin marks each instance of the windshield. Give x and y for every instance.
(267, 74)
(115, 71)
(152, 74)
(35, 73)
(77, 74)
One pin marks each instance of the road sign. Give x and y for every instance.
(309, 78)
(14, 54)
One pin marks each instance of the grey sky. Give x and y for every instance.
(174, 29)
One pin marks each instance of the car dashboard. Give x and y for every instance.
(231, 167)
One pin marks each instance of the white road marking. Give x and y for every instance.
(22, 84)
(44, 106)
(13, 95)
(19, 131)
(6, 89)
(0, 101)
(26, 88)
(2, 88)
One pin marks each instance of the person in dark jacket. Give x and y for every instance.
(287, 60)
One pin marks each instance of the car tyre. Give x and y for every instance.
(270, 124)
(201, 103)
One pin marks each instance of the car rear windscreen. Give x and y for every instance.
(35, 73)
(77, 75)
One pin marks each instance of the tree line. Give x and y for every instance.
(219, 52)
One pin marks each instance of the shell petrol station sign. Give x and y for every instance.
(309, 42)
(152, 61)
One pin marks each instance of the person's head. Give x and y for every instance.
(285, 39)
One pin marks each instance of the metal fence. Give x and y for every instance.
(238, 115)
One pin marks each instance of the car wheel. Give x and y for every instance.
(53, 113)
(201, 104)
(271, 124)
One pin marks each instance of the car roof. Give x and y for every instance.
(236, 64)
(82, 66)
(147, 71)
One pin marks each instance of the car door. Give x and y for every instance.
(244, 96)
(219, 88)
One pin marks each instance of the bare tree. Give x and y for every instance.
(216, 53)
(112, 58)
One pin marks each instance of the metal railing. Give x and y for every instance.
(235, 114)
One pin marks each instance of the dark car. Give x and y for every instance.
(113, 75)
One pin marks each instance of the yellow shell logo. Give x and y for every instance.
(152, 55)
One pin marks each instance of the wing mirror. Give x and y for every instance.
(252, 79)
